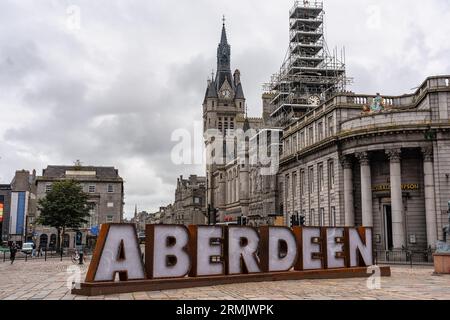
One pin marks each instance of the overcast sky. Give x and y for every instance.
(112, 91)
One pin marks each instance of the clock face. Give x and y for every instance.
(226, 94)
(314, 100)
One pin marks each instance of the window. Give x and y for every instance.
(287, 186)
(311, 179)
(109, 219)
(333, 217)
(331, 174)
(302, 139)
(91, 189)
(311, 217)
(295, 144)
(311, 135)
(110, 188)
(110, 205)
(330, 126)
(320, 177)
(196, 200)
(322, 217)
(302, 183)
(320, 131)
(294, 187)
(48, 188)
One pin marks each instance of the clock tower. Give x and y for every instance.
(224, 99)
(224, 111)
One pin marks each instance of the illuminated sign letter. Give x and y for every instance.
(206, 250)
(278, 249)
(117, 252)
(312, 249)
(242, 244)
(166, 251)
(335, 248)
(360, 243)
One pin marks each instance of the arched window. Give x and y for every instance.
(43, 240)
(66, 241)
(52, 241)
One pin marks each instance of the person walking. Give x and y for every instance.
(12, 251)
(33, 252)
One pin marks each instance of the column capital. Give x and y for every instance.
(346, 162)
(363, 157)
(427, 153)
(395, 155)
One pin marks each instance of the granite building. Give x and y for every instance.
(375, 161)
(189, 205)
(235, 186)
(106, 197)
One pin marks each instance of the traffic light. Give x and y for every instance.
(302, 220)
(293, 221)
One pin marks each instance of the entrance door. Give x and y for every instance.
(388, 227)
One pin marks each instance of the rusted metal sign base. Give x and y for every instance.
(104, 288)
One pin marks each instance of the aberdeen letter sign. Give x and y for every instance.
(179, 257)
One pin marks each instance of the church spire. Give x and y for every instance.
(223, 39)
(223, 60)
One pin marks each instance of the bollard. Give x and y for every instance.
(4, 256)
(45, 255)
(81, 257)
(26, 257)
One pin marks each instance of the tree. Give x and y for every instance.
(64, 207)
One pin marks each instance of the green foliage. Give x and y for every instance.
(65, 206)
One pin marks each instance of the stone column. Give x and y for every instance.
(398, 224)
(430, 201)
(349, 208)
(366, 189)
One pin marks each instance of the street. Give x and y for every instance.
(47, 280)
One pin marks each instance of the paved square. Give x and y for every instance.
(48, 280)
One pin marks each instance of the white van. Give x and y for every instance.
(27, 247)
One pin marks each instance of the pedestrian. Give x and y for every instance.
(33, 253)
(12, 251)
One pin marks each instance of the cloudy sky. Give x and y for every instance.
(107, 82)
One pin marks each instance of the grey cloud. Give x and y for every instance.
(113, 92)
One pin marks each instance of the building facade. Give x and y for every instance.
(18, 208)
(374, 161)
(189, 206)
(235, 186)
(106, 197)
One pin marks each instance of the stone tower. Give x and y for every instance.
(223, 111)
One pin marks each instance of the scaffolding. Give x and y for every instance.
(309, 74)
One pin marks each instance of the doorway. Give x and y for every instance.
(387, 209)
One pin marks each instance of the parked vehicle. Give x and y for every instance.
(27, 248)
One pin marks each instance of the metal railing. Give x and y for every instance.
(43, 255)
(404, 257)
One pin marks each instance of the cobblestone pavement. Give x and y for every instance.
(48, 280)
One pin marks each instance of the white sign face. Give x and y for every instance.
(121, 254)
(276, 261)
(356, 245)
(206, 250)
(334, 248)
(170, 259)
(242, 244)
(310, 248)
(173, 250)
